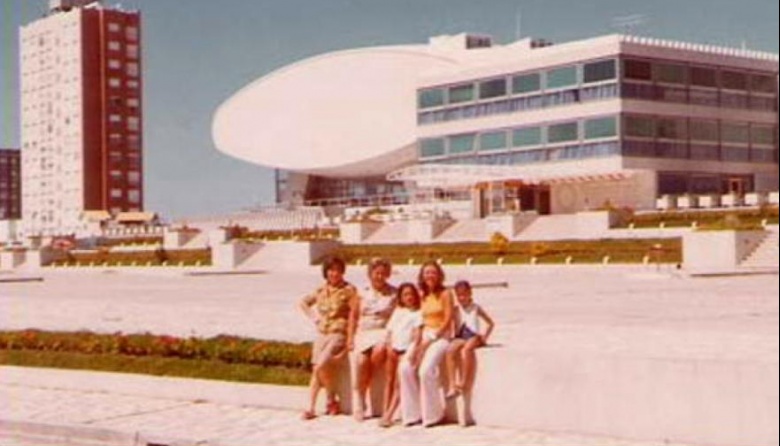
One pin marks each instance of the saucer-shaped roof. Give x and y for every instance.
(347, 113)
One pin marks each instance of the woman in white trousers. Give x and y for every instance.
(422, 397)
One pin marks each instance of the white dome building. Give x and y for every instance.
(615, 120)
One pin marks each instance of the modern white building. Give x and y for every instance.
(614, 120)
(80, 69)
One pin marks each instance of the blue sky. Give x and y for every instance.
(197, 53)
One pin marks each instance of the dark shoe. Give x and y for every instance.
(333, 408)
(308, 415)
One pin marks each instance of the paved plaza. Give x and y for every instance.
(591, 312)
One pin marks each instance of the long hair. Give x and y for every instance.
(439, 287)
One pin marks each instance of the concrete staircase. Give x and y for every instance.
(464, 231)
(766, 254)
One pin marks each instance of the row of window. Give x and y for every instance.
(698, 151)
(645, 80)
(131, 68)
(131, 50)
(589, 129)
(698, 76)
(133, 195)
(521, 84)
(693, 96)
(115, 82)
(524, 103)
(575, 75)
(561, 153)
(638, 126)
(131, 32)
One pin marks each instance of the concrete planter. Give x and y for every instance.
(718, 251)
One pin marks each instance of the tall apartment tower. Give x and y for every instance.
(81, 115)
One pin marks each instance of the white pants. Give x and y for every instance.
(423, 399)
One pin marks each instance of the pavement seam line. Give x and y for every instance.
(142, 412)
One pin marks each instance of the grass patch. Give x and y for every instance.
(549, 252)
(183, 368)
(752, 217)
(228, 358)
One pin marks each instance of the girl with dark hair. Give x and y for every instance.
(403, 336)
(468, 337)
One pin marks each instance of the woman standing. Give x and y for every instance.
(330, 307)
(375, 306)
(423, 401)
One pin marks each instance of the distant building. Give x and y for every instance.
(609, 121)
(81, 115)
(10, 185)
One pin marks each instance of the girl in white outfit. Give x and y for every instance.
(404, 331)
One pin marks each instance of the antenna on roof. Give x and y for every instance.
(518, 23)
(627, 23)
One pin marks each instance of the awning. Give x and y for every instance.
(135, 217)
(465, 175)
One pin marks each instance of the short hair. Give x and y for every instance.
(377, 262)
(333, 262)
(400, 291)
(421, 282)
(463, 284)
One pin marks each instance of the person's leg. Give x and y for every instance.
(390, 397)
(453, 363)
(331, 354)
(431, 401)
(314, 390)
(362, 381)
(409, 390)
(469, 360)
(373, 391)
(391, 371)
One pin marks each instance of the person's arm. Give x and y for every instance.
(419, 346)
(488, 320)
(306, 305)
(446, 327)
(354, 315)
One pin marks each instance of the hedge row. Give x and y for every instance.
(227, 349)
(735, 218)
(190, 257)
(579, 251)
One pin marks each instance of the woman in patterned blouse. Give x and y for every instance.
(330, 307)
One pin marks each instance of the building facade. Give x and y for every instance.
(10, 185)
(608, 121)
(614, 120)
(81, 115)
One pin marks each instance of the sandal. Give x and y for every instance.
(333, 408)
(308, 415)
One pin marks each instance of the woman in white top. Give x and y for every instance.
(375, 306)
(468, 337)
(404, 333)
